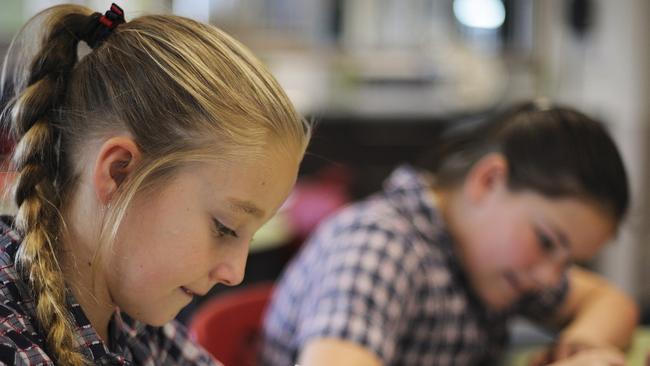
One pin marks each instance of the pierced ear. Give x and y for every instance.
(487, 175)
(117, 158)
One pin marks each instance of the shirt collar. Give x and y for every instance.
(89, 342)
(412, 195)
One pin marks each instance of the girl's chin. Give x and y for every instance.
(156, 318)
(157, 321)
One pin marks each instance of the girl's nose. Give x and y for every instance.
(230, 270)
(548, 273)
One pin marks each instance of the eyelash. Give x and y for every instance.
(222, 230)
(545, 242)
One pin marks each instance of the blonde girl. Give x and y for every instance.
(144, 167)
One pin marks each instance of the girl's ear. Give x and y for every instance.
(489, 174)
(118, 157)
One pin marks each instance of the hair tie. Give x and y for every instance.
(101, 26)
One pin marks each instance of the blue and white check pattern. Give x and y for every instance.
(382, 274)
(133, 343)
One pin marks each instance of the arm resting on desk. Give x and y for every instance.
(586, 315)
(326, 352)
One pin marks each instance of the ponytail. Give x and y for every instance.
(38, 86)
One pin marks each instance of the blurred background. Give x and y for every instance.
(382, 78)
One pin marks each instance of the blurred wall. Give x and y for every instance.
(605, 72)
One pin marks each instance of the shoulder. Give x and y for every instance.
(9, 241)
(19, 344)
(367, 242)
(372, 233)
(364, 251)
(15, 301)
(373, 223)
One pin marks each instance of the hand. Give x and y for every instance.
(558, 351)
(576, 354)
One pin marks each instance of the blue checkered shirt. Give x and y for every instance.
(382, 274)
(132, 343)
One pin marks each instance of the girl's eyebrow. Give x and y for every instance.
(558, 234)
(563, 239)
(246, 207)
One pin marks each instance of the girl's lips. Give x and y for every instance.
(514, 284)
(188, 292)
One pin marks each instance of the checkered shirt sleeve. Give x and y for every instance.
(363, 288)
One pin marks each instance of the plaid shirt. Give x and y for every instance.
(382, 274)
(133, 343)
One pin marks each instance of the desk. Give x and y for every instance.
(635, 355)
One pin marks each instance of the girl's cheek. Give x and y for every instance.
(526, 258)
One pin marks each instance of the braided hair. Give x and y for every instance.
(39, 89)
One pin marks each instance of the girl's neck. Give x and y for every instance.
(88, 287)
(445, 203)
(451, 207)
(83, 218)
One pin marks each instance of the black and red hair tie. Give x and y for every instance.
(101, 26)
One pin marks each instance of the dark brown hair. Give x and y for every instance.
(555, 151)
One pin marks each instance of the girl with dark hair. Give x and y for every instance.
(487, 226)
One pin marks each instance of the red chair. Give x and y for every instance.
(228, 326)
